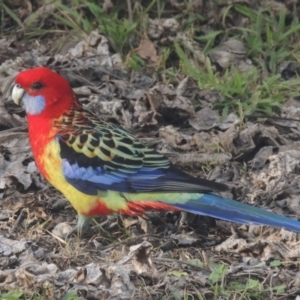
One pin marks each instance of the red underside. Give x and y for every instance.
(99, 210)
(134, 209)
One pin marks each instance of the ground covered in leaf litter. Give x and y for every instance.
(171, 255)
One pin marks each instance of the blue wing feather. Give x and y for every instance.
(89, 179)
(99, 155)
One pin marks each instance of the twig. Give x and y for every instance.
(272, 118)
(19, 128)
(131, 240)
(16, 223)
(56, 237)
(129, 7)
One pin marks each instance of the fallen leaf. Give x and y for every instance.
(147, 51)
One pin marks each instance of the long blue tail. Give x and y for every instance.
(234, 211)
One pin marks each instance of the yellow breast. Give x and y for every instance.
(52, 165)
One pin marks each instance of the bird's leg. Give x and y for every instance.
(81, 226)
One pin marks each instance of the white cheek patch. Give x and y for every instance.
(34, 105)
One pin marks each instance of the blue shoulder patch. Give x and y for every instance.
(90, 179)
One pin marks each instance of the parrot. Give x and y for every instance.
(102, 169)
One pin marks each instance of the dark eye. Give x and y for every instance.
(37, 86)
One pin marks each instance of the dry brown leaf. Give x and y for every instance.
(261, 157)
(9, 246)
(176, 139)
(147, 51)
(244, 142)
(280, 244)
(206, 142)
(231, 53)
(107, 5)
(185, 239)
(120, 281)
(146, 225)
(271, 179)
(11, 161)
(141, 259)
(205, 119)
(62, 229)
(196, 160)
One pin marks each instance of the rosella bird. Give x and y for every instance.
(102, 169)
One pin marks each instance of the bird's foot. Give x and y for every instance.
(83, 227)
(80, 228)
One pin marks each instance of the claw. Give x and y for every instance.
(81, 227)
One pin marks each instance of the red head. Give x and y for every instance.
(44, 92)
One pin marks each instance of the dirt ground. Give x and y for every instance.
(162, 255)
